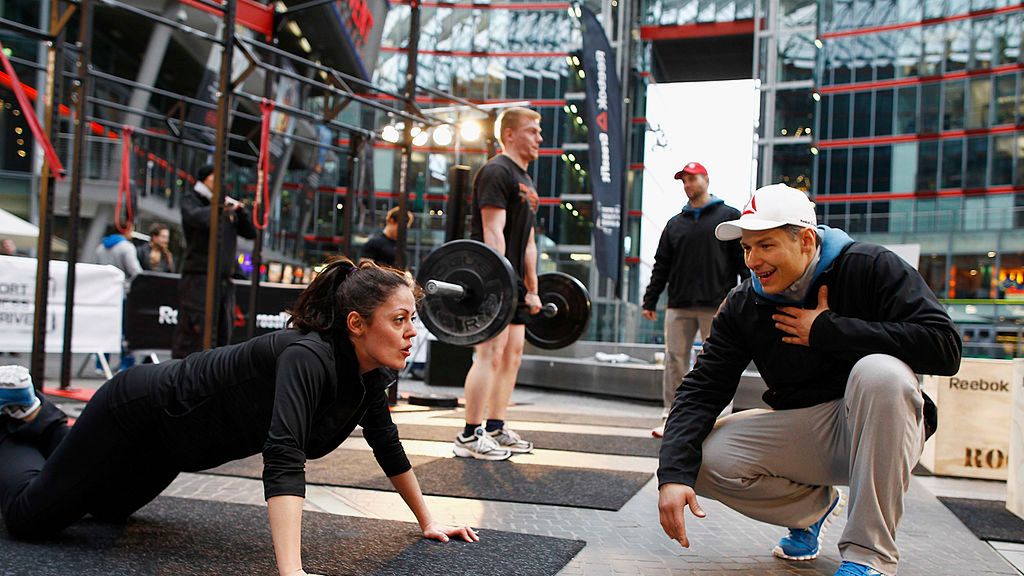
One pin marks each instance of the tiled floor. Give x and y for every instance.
(630, 541)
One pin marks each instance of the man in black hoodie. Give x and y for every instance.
(699, 271)
(837, 330)
(235, 220)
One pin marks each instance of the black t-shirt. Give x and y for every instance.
(501, 183)
(380, 249)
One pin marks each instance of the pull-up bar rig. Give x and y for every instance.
(340, 87)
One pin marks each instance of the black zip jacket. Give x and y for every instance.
(195, 221)
(878, 304)
(290, 395)
(699, 269)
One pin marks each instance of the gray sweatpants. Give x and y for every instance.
(778, 466)
(680, 330)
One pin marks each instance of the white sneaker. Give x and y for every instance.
(480, 446)
(509, 440)
(17, 396)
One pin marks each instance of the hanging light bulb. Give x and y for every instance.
(390, 134)
(443, 135)
(470, 130)
(421, 138)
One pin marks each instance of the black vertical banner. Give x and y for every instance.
(603, 117)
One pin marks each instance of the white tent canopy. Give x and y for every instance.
(25, 234)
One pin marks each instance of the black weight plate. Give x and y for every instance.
(490, 299)
(565, 327)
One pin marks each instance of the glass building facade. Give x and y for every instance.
(920, 140)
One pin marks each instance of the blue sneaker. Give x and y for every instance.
(17, 396)
(851, 569)
(805, 543)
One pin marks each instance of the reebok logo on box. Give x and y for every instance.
(982, 385)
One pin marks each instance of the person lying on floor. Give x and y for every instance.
(293, 394)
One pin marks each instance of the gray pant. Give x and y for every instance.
(778, 466)
(680, 330)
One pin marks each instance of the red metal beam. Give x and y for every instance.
(249, 13)
(702, 30)
(947, 193)
(925, 22)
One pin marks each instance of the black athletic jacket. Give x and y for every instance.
(878, 304)
(195, 221)
(698, 268)
(291, 395)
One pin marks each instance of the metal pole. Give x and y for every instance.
(401, 259)
(77, 175)
(257, 246)
(455, 222)
(220, 159)
(355, 166)
(54, 63)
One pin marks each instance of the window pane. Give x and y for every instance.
(837, 172)
(857, 217)
(909, 52)
(859, 170)
(906, 110)
(1006, 88)
(823, 116)
(794, 112)
(841, 116)
(883, 113)
(953, 112)
(904, 167)
(981, 46)
(791, 165)
(927, 165)
(952, 163)
(796, 57)
(977, 160)
(957, 45)
(1002, 160)
(879, 221)
(930, 108)
(881, 168)
(836, 217)
(862, 114)
(981, 99)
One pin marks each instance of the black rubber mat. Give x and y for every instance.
(178, 536)
(590, 443)
(987, 519)
(515, 414)
(506, 481)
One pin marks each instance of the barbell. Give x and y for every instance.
(472, 293)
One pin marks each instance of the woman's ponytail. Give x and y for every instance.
(316, 308)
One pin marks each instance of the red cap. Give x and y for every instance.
(692, 168)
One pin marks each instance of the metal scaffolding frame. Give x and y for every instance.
(84, 79)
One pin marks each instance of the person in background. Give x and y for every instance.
(116, 249)
(8, 247)
(505, 204)
(235, 221)
(155, 255)
(699, 271)
(381, 246)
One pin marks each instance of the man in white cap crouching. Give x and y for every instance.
(837, 329)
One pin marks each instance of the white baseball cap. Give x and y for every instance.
(770, 207)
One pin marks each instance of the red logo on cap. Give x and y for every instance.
(602, 121)
(752, 207)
